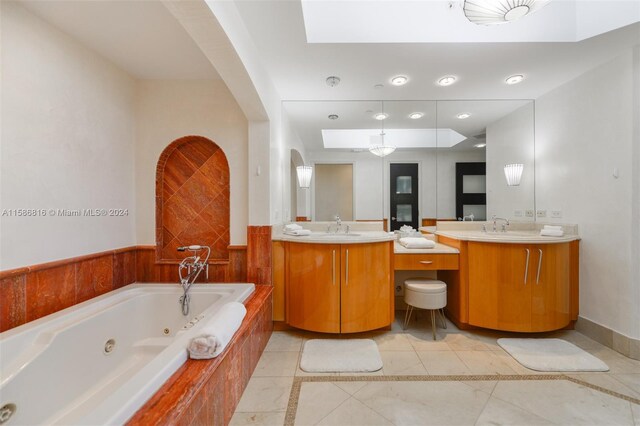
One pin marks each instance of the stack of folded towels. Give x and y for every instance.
(217, 334)
(552, 231)
(296, 230)
(416, 243)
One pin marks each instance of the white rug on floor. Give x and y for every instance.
(551, 355)
(340, 356)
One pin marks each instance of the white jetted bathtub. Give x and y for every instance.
(99, 361)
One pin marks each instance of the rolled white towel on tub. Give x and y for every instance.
(217, 333)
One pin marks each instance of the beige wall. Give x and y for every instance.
(67, 143)
(333, 191)
(168, 110)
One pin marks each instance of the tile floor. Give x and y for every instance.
(352, 400)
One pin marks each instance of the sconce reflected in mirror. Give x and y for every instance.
(513, 173)
(304, 176)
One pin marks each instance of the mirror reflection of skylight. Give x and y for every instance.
(400, 138)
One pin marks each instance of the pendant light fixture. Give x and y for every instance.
(381, 150)
(513, 173)
(494, 12)
(304, 176)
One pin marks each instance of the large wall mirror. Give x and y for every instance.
(448, 164)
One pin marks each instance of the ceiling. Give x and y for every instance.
(299, 69)
(140, 37)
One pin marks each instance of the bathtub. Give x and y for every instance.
(99, 361)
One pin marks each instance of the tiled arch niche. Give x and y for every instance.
(192, 199)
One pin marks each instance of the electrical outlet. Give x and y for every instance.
(517, 213)
(541, 213)
(556, 214)
(528, 213)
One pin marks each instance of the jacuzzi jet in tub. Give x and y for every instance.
(109, 346)
(6, 412)
(166, 331)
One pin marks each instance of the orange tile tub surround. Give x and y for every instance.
(207, 391)
(192, 198)
(259, 254)
(29, 293)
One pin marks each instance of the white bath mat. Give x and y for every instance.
(551, 355)
(340, 356)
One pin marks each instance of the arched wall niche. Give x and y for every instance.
(192, 199)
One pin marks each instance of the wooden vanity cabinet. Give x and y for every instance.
(338, 288)
(519, 287)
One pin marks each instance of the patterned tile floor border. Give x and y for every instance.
(292, 406)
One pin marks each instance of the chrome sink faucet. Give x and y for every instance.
(504, 225)
(194, 266)
(338, 223)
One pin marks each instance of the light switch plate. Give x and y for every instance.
(528, 213)
(556, 214)
(541, 213)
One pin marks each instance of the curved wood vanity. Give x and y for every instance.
(335, 286)
(528, 286)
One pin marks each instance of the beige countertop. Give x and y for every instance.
(355, 237)
(512, 237)
(438, 249)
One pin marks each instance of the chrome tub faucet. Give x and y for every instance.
(193, 265)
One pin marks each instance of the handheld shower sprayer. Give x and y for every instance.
(193, 266)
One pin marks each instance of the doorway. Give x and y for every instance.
(333, 192)
(403, 195)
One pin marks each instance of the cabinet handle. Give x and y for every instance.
(346, 283)
(539, 266)
(333, 268)
(526, 268)
(426, 262)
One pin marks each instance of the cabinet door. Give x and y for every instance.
(550, 304)
(366, 287)
(499, 286)
(313, 287)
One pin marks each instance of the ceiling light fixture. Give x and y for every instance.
(514, 79)
(381, 116)
(513, 174)
(416, 115)
(333, 81)
(480, 145)
(447, 80)
(463, 115)
(333, 116)
(494, 12)
(304, 176)
(382, 150)
(399, 80)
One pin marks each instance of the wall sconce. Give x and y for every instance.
(304, 176)
(513, 173)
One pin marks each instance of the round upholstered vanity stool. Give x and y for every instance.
(425, 294)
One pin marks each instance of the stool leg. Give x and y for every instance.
(433, 323)
(444, 321)
(407, 316)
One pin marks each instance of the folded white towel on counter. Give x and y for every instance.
(553, 227)
(551, 232)
(217, 333)
(298, 232)
(416, 243)
(292, 227)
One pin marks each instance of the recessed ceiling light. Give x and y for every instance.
(416, 115)
(380, 116)
(515, 79)
(333, 81)
(463, 115)
(333, 116)
(447, 81)
(480, 145)
(399, 80)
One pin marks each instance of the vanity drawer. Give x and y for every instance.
(425, 262)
